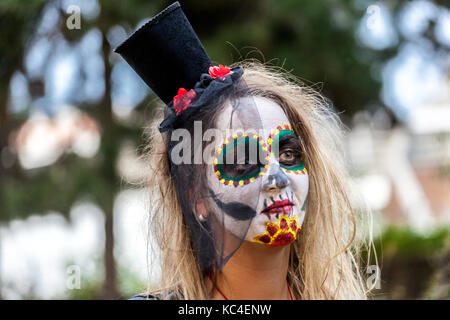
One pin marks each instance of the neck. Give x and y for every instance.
(255, 272)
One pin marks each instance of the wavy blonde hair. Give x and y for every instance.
(324, 261)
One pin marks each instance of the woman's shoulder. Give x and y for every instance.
(144, 297)
(148, 296)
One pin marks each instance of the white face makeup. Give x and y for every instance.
(273, 194)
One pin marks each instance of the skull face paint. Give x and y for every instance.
(272, 191)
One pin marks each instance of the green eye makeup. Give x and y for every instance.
(285, 147)
(241, 159)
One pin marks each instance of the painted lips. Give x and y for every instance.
(279, 207)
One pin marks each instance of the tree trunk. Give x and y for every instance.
(3, 143)
(110, 287)
(1, 259)
(109, 290)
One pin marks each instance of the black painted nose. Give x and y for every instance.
(276, 180)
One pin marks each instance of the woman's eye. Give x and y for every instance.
(240, 170)
(289, 157)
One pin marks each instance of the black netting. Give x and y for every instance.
(220, 177)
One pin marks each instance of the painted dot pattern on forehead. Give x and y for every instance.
(232, 141)
(274, 137)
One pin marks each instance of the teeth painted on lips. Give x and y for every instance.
(277, 208)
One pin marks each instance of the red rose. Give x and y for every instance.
(218, 72)
(181, 92)
(183, 100)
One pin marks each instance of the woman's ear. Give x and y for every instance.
(201, 211)
(200, 208)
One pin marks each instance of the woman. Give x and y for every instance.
(258, 207)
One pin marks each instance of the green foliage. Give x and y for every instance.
(407, 243)
(17, 22)
(130, 283)
(308, 39)
(413, 265)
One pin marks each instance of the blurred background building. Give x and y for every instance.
(73, 113)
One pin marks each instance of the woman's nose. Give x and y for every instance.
(276, 179)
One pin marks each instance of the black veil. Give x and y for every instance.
(217, 173)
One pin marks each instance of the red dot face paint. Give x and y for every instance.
(283, 239)
(272, 229)
(265, 239)
(293, 226)
(283, 224)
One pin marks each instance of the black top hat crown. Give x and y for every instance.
(166, 53)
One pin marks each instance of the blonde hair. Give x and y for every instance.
(324, 260)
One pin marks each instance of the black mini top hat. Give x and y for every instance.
(166, 53)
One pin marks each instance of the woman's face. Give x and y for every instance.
(267, 196)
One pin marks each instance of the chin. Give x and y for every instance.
(276, 231)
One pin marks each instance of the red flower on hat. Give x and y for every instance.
(183, 100)
(219, 72)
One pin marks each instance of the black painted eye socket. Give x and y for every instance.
(286, 146)
(242, 159)
(238, 171)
